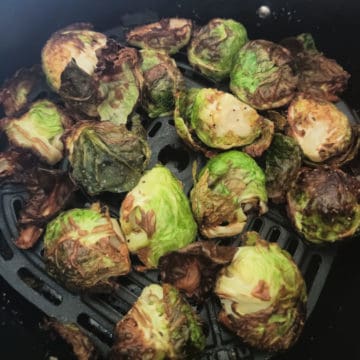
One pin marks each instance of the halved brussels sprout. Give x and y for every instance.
(322, 131)
(160, 325)
(156, 216)
(263, 76)
(72, 52)
(84, 249)
(215, 46)
(92, 73)
(324, 204)
(162, 80)
(263, 296)
(40, 130)
(282, 162)
(220, 121)
(168, 35)
(106, 157)
(230, 186)
(318, 75)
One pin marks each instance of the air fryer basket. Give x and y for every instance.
(97, 314)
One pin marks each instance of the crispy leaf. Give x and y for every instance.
(194, 269)
(81, 344)
(168, 35)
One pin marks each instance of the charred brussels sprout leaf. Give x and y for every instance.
(20, 90)
(229, 187)
(263, 76)
(324, 204)
(84, 249)
(162, 80)
(282, 162)
(263, 297)
(194, 269)
(160, 325)
(215, 46)
(220, 121)
(168, 35)
(49, 191)
(318, 75)
(81, 344)
(323, 132)
(40, 130)
(106, 157)
(156, 216)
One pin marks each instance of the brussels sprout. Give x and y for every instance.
(72, 53)
(282, 162)
(219, 120)
(160, 325)
(215, 46)
(84, 249)
(324, 204)
(156, 217)
(318, 75)
(194, 268)
(162, 79)
(40, 130)
(322, 131)
(263, 296)
(263, 76)
(229, 186)
(18, 91)
(106, 157)
(168, 35)
(80, 343)
(93, 74)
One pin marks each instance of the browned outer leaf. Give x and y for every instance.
(169, 35)
(194, 269)
(81, 344)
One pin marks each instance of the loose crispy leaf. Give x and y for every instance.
(194, 269)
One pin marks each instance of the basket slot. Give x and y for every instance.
(39, 286)
(174, 157)
(95, 328)
(5, 250)
(312, 270)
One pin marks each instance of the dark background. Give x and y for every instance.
(25, 25)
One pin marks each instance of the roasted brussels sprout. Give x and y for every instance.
(318, 75)
(194, 268)
(168, 35)
(215, 46)
(93, 74)
(263, 296)
(162, 80)
(229, 186)
(156, 216)
(160, 325)
(106, 157)
(263, 76)
(220, 121)
(324, 204)
(19, 91)
(84, 249)
(80, 343)
(40, 130)
(282, 163)
(323, 132)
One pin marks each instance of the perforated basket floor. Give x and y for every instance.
(97, 314)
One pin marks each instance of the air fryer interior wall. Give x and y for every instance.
(26, 24)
